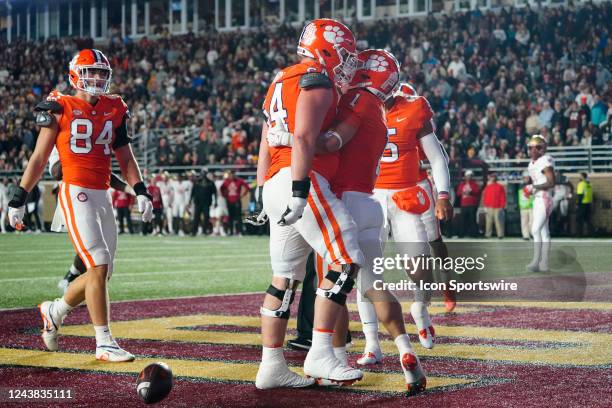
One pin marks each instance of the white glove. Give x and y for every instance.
(16, 217)
(145, 206)
(257, 219)
(278, 137)
(294, 211)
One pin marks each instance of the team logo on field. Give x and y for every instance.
(82, 197)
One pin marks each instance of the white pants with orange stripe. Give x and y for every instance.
(91, 224)
(326, 226)
(405, 226)
(368, 214)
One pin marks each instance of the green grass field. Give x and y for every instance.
(166, 267)
(145, 267)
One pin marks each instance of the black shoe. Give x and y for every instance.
(300, 343)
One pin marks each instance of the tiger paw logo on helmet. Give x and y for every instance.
(377, 63)
(333, 34)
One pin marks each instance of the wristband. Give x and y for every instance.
(141, 189)
(19, 197)
(443, 195)
(301, 188)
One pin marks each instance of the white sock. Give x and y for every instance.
(322, 341)
(403, 344)
(272, 355)
(60, 309)
(103, 335)
(340, 353)
(369, 324)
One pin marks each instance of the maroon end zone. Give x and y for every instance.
(498, 383)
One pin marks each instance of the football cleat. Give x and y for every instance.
(416, 381)
(450, 300)
(370, 357)
(113, 353)
(327, 370)
(50, 326)
(427, 334)
(299, 343)
(278, 375)
(532, 267)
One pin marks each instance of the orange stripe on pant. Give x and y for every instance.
(65, 212)
(330, 215)
(322, 227)
(88, 258)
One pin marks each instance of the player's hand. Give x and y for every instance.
(145, 206)
(444, 209)
(528, 190)
(278, 137)
(259, 217)
(297, 204)
(16, 206)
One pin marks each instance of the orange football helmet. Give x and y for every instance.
(332, 44)
(378, 73)
(90, 72)
(405, 90)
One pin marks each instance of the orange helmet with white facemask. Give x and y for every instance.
(378, 73)
(90, 72)
(332, 44)
(405, 90)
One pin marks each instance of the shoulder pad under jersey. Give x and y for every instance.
(315, 80)
(49, 105)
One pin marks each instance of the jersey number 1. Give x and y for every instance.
(80, 136)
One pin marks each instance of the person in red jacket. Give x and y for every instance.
(158, 210)
(494, 202)
(123, 201)
(468, 192)
(233, 189)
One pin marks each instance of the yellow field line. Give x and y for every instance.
(214, 370)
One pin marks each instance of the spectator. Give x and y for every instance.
(165, 189)
(4, 199)
(157, 226)
(203, 196)
(233, 190)
(219, 213)
(181, 192)
(584, 191)
(525, 204)
(123, 201)
(494, 203)
(468, 193)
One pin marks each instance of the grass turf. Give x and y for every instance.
(162, 267)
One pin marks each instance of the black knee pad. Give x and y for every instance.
(343, 284)
(285, 296)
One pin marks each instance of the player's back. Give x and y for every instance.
(86, 137)
(399, 166)
(361, 156)
(280, 108)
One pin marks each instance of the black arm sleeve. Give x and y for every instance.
(121, 135)
(56, 171)
(117, 183)
(315, 80)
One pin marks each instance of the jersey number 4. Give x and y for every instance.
(391, 152)
(278, 114)
(80, 136)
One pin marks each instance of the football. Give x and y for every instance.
(154, 383)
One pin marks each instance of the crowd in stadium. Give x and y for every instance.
(492, 79)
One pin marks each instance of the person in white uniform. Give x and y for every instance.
(541, 172)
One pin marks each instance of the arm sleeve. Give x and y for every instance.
(439, 166)
(121, 134)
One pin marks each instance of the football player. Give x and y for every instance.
(86, 129)
(360, 133)
(301, 207)
(410, 208)
(59, 225)
(542, 176)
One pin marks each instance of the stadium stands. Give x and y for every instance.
(492, 78)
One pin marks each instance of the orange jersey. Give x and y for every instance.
(399, 166)
(280, 110)
(361, 156)
(86, 137)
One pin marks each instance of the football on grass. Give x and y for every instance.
(154, 383)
